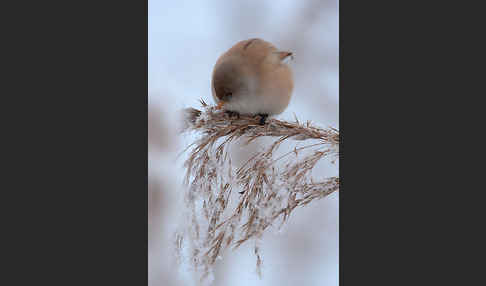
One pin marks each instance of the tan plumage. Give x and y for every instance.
(251, 78)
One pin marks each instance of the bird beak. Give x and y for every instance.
(220, 105)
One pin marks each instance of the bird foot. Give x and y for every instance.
(232, 114)
(263, 118)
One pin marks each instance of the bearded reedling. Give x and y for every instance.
(252, 78)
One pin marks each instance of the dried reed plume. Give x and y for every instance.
(267, 192)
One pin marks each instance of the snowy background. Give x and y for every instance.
(185, 39)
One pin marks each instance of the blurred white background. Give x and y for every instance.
(185, 39)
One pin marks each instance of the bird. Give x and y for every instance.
(253, 78)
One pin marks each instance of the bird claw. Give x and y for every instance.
(233, 114)
(263, 118)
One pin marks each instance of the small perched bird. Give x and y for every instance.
(252, 78)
